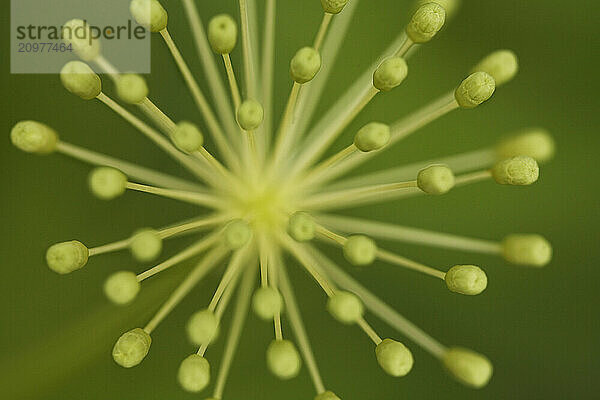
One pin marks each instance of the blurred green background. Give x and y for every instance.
(540, 327)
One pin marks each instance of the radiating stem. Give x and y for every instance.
(268, 67)
(322, 31)
(249, 72)
(160, 118)
(235, 91)
(182, 195)
(368, 329)
(405, 262)
(109, 248)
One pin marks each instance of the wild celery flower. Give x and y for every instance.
(271, 193)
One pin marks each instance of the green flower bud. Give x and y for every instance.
(250, 115)
(194, 373)
(474, 90)
(426, 23)
(107, 183)
(518, 171)
(203, 327)
(64, 258)
(283, 359)
(301, 227)
(79, 79)
(372, 136)
(34, 137)
(466, 279)
(187, 137)
(267, 303)
(527, 249)
(333, 6)
(122, 287)
(394, 358)
(305, 65)
(502, 65)
(146, 245)
(222, 34)
(132, 88)
(149, 13)
(536, 143)
(131, 348)
(390, 74)
(77, 34)
(451, 6)
(470, 368)
(237, 233)
(435, 179)
(360, 250)
(327, 396)
(345, 307)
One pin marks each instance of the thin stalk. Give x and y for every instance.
(181, 195)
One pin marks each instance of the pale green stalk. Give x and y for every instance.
(268, 67)
(202, 199)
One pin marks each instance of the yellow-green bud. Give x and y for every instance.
(345, 307)
(305, 65)
(360, 250)
(267, 302)
(503, 65)
(390, 74)
(426, 23)
(187, 137)
(64, 258)
(536, 143)
(107, 183)
(203, 327)
(146, 245)
(435, 179)
(149, 13)
(250, 115)
(333, 6)
(518, 171)
(122, 287)
(194, 373)
(372, 136)
(34, 137)
(132, 88)
(131, 348)
(394, 358)
(474, 90)
(301, 227)
(451, 6)
(237, 233)
(283, 359)
(222, 34)
(77, 34)
(527, 249)
(327, 396)
(78, 78)
(466, 279)
(470, 368)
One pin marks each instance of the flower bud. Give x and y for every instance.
(426, 23)
(187, 137)
(327, 396)
(283, 359)
(305, 65)
(518, 171)
(194, 373)
(122, 287)
(390, 74)
(34, 137)
(360, 250)
(149, 13)
(474, 90)
(527, 249)
(435, 179)
(451, 6)
(267, 303)
(146, 245)
(345, 307)
(470, 368)
(78, 34)
(333, 6)
(394, 358)
(203, 327)
(250, 115)
(107, 183)
(66, 257)
(132, 88)
(237, 234)
(536, 143)
(301, 227)
(502, 65)
(372, 136)
(131, 348)
(222, 34)
(466, 279)
(78, 78)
